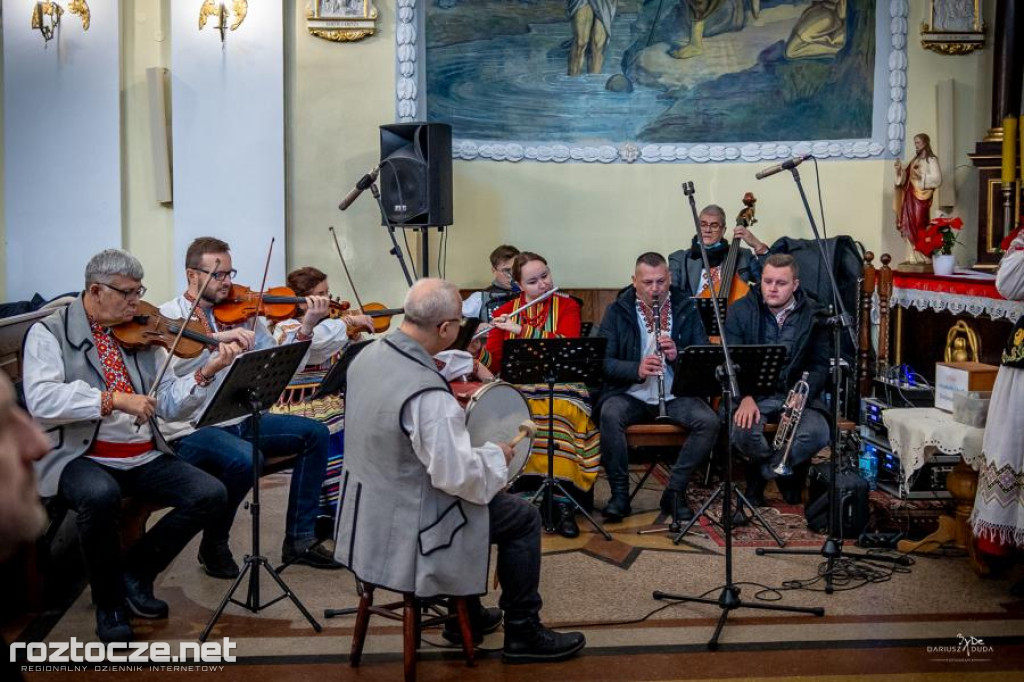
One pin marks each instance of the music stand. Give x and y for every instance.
(729, 598)
(706, 310)
(757, 368)
(254, 382)
(336, 379)
(555, 361)
(466, 333)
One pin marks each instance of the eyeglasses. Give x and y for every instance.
(461, 320)
(220, 275)
(130, 294)
(713, 226)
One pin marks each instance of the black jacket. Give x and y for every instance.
(745, 324)
(622, 329)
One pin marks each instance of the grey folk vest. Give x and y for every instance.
(394, 529)
(82, 362)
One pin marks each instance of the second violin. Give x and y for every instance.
(277, 303)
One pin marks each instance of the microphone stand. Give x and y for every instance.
(832, 548)
(396, 250)
(729, 598)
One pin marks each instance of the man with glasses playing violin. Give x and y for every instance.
(224, 450)
(93, 397)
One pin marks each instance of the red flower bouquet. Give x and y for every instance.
(938, 237)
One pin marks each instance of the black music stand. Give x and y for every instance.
(729, 598)
(757, 369)
(336, 379)
(254, 382)
(555, 361)
(466, 333)
(706, 310)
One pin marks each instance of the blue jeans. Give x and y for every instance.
(620, 411)
(226, 452)
(95, 491)
(812, 434)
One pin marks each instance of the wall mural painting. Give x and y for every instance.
(657, 80)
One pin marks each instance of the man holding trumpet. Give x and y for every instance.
(638, 381)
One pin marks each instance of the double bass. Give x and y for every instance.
(728, 285)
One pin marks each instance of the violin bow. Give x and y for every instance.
(344, 265)
(263, 284)
(181, 331)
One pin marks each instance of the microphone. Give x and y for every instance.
(361, 186)
(788, 164)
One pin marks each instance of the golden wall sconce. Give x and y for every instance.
(220, 12)
(46, 16)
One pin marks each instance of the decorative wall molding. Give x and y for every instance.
(887, 143)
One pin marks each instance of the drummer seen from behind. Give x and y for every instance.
(422, 504)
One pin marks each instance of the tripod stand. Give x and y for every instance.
(832, 548)
(554, 361)
(253, 384)
(757, 367)
(697, 373)
(729, 598)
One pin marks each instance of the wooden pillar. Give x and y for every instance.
(1007, 75)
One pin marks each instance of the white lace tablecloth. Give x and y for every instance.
(940, 301)
(915, 434)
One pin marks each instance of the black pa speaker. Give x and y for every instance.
(416, 174)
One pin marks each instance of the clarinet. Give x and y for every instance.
(656, 309)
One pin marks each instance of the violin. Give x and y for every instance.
(377, 312)
(278, 303)
(148, 327)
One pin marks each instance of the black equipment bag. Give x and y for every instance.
(852, 501)
(847, 258)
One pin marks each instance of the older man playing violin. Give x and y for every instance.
(97, 402)
(225, 450)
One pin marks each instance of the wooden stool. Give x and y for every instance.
(655, 436)
(412, 625)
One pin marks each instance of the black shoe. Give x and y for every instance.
(482, 622)
(567, 521)
(315, 556)
(792, 489)
(740, 518)
(138, 592)
(674, 504)
(112, 625)
(617, 508)
(755, 486)
(530, 642)
(217, 561)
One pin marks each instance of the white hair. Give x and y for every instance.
(431, 301)
(105, 265)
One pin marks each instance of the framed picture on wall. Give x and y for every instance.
(596, 81)
(953, 26)
(341, 20)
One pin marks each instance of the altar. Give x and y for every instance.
(926, 306)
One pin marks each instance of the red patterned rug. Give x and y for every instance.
(915, 518)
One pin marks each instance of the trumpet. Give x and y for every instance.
(486, 329)
(792, 411)
(656, 310)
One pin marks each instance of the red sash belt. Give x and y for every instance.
(106, 449)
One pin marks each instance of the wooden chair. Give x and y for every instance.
(659, 436)
(411, 612)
